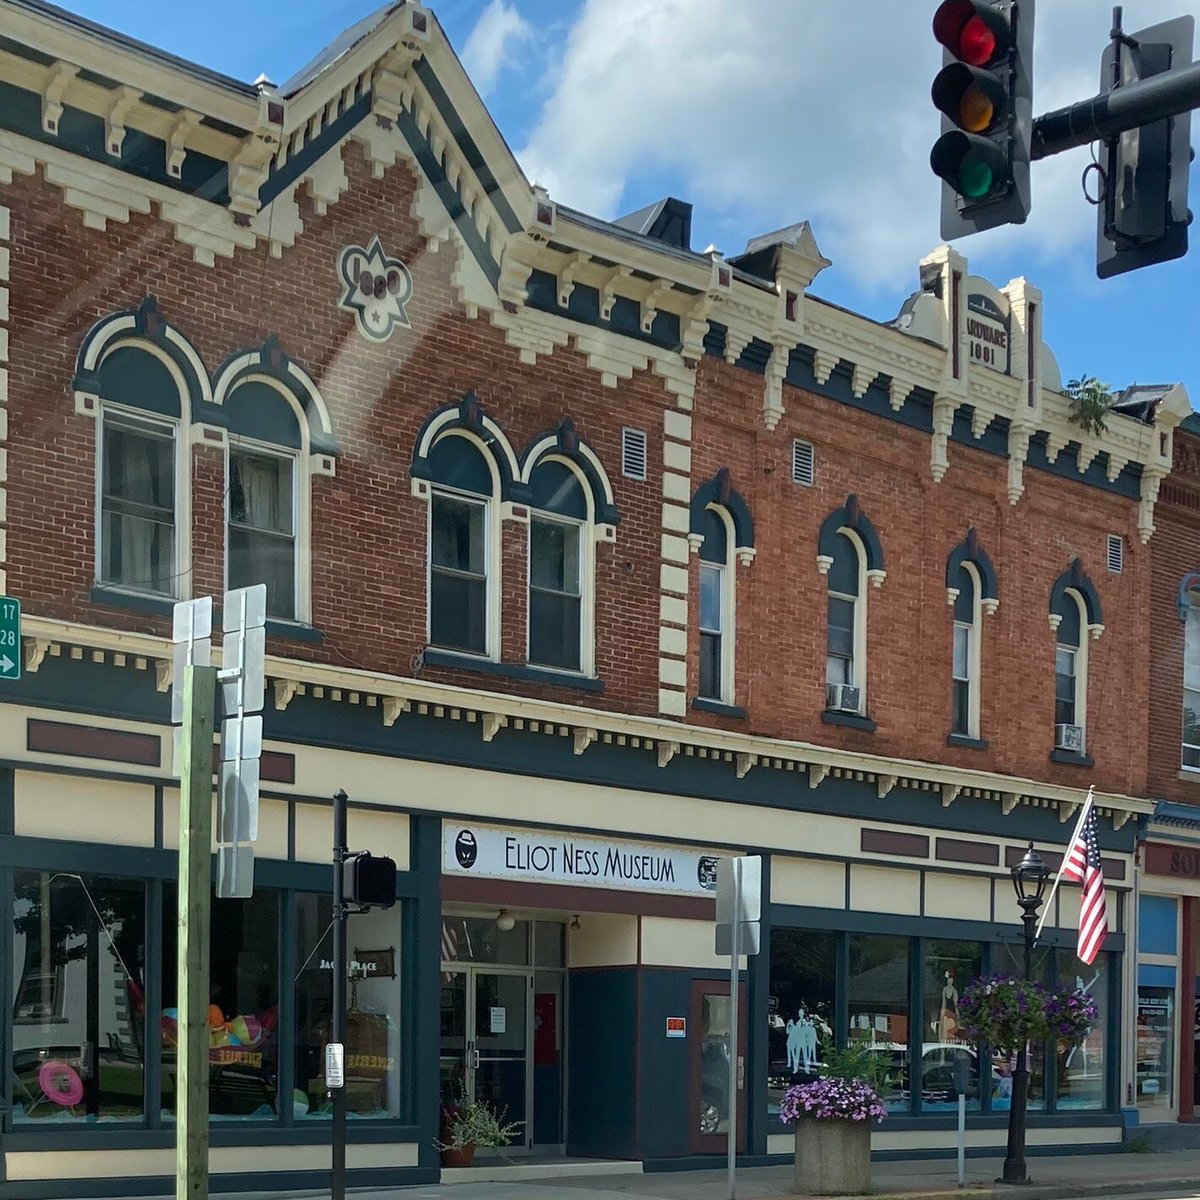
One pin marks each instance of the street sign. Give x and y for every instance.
(10, 638)
(235, 872)
(191, 635)
(749, 939)
(749, 902)
(335, 1059)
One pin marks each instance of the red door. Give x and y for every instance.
(709, 1102)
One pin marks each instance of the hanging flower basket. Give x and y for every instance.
(1007, 1013)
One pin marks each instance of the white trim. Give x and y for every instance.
(858, 667)
(974, 654)
(437, 429)
(1081, 663)
(587, 575)
(301, 520)
(728, 608)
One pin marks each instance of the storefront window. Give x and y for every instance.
(79, 997)
(243, 1011)
(879, 1007)
(481, 940)
(1083, 1069)
(1155, 1048)
(801, 1008)
(372, 1016)
(1009, 959)
(949, 1062)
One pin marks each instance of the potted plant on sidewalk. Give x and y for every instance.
(469, 1124)
(833, 1117)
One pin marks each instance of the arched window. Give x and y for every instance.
(1075, 618)
(560, 568)
(721, 531)
(1189, 613)
(971, 591)
(849, 554)
(142, 467)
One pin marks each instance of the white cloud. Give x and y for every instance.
(498, 33)
(773, 111)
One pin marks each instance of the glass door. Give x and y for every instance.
(711, 1023)
(501, 1044)
(485, 1041)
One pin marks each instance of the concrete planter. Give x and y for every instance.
(833, 1158)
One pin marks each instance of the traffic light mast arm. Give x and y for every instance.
(1114, 112)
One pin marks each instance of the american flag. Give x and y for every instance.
(1082, 865)
(449, 949)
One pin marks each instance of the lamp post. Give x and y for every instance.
(1029, 882)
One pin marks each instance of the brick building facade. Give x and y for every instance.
(577, 539)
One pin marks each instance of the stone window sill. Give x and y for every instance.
(700, 704)
(848, 720)
(136, 601)
(966, 743)
(433, 657)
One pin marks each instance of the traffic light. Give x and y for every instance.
(984, 92)
(1143, 214)
(369, 880)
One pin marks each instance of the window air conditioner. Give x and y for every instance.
(1069, 737)
(842, 697)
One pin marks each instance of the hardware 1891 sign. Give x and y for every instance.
(987, 332)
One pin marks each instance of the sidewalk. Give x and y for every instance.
(1053, 1178)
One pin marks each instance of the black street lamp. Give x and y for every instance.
(1029, 881)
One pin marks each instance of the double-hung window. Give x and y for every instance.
(839, 657)
(137, 503)
(961, 671)
(262, 526)
(458, 562)
(965, 652)
(555, 593)
(1191, 690)
(712, 629)
(845, 636)
(1066, 682)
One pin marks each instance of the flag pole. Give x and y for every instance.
(1083, 812)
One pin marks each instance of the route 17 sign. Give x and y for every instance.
(376, 290)
(10, 638)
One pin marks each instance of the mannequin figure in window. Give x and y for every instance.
(1086, 988)
(948, 1018)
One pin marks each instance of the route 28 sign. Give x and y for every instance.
(377, 289)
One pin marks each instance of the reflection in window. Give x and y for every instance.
(948, 1060)
(262, 527)
(481, 940)
(879, 1007)
(1191, 689)
(1008, 958)
(712, 589)
(801, 1008)
(458, 573)
(1155, 1049)
(555, 593)
(1082, 1069)
(243, 1012)
(137, 503)
(79, 997)
(373, 1007)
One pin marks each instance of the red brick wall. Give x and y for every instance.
(1174, 552)
(781, 603)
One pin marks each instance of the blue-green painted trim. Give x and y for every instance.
(435, 657)
(469, 416)
(700, 704)
(719, 490)
(831, 716)
(152, 955)
(970, 551)
(1068, 758)
(7, 1000)
(758, 991)
(134, 601)
(291, 631)
(459, 132)
(425, 940)
(142, 155)
(966, 743)
(1076, 579)
(449, 196)
(568, 444)
(851, 516)
(584, 307)
(315, 149)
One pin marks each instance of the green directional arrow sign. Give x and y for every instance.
(10, 638)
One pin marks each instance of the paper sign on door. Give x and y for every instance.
(499, 1020)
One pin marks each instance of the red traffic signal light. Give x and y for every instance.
(984, 93)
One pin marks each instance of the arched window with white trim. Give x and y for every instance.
(971, 592)
(1076, 619)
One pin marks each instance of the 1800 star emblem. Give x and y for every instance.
(377, 289)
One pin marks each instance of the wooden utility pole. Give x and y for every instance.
(195, 915)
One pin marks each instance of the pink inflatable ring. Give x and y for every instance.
(60, 1082)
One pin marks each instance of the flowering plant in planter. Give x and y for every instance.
(469, 1122)
(1006, 1013)
(832, 1100)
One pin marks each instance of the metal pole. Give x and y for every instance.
(1104, 116)
(195, 916)
(1015, 1169)
(735, 951)
(338, 1024)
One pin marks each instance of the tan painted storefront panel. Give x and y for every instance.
(272, 830)
(1068, 908)
(808, 881)
(669, 942)
(603, 940)
(880, 889)
(224, 1160)
(314, 833)
(171, 820)
(381, 833)
(83, 810)
(965, 897)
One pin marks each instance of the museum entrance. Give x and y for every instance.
(502, 991)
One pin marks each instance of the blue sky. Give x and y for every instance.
(761, 114)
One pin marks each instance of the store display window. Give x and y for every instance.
(950, 1062)
(801, 1008)
(1082, 1072)
(1155, 1049)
